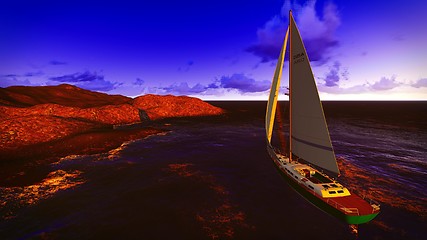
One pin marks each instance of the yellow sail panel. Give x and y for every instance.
(274, 92)
(309, 133)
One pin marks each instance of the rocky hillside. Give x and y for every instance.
(30, 115)
(158, 107)
(64, 94)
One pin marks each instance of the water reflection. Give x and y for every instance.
(383, 188)
(14, 198)
(223, 219)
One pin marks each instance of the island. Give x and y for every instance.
(53, 121)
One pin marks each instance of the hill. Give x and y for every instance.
(34, 115)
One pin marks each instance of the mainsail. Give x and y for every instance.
(309, 133)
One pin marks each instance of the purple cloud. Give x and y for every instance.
(335, 74)
(86, 80)
(33, 74)
(382, 85)
(28, 74)
(244, 84)
(420, 83)
(9, 75)
(56, 62)
(213, 85)
(318, 33)
(187, 66)
(236, 82)
(270, 39)
(385, 84)
(339, 90)
(332, 77)
(77, 77)
(139, 82)
(184, 89)
(12, 80)
(7, 80)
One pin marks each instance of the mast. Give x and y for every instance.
(290, 87)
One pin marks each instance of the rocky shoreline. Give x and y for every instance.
(45, 123)
(31, 116)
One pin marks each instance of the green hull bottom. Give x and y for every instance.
(350, 219)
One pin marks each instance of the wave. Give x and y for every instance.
(388, 189)
(111, 155)
(14, 198)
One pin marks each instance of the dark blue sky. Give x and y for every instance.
(215, 49)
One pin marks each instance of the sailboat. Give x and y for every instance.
(310, 166)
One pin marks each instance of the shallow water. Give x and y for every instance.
(212, 179)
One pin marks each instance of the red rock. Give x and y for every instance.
(37, 129)
(158, 107)
(64, 94)
(110, 114)
(32, 115)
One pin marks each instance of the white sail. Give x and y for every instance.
(274, 92)
(309, 133)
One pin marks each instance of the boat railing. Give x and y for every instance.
(332, 202)
(375, 205)
(354, 211)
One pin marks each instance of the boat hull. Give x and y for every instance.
(324, 206)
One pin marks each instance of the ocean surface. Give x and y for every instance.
(211, 178)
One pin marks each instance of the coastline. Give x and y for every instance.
(39, 125)
(29, 164)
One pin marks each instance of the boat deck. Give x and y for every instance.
(350, 205)
(353, 202)
(317, 178)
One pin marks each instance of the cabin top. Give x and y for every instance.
(318, 182)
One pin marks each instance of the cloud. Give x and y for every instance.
(420, 83)
(362, 88)
(244, 84)
(9, 75)
(385, 84)
(77, 77)
(335, 74)
(184, 89)
(56, 62)
(332, 77)
(13, 80)
(33, 74)
(86, 80)
(28, 74)
(270, 39)
(318, 33)
(139, 82)
(381, 85)
(7, 80)
(235, 83)
(187, 66)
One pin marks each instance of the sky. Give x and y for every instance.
(215, 50)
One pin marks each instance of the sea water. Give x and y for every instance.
(211, 178)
